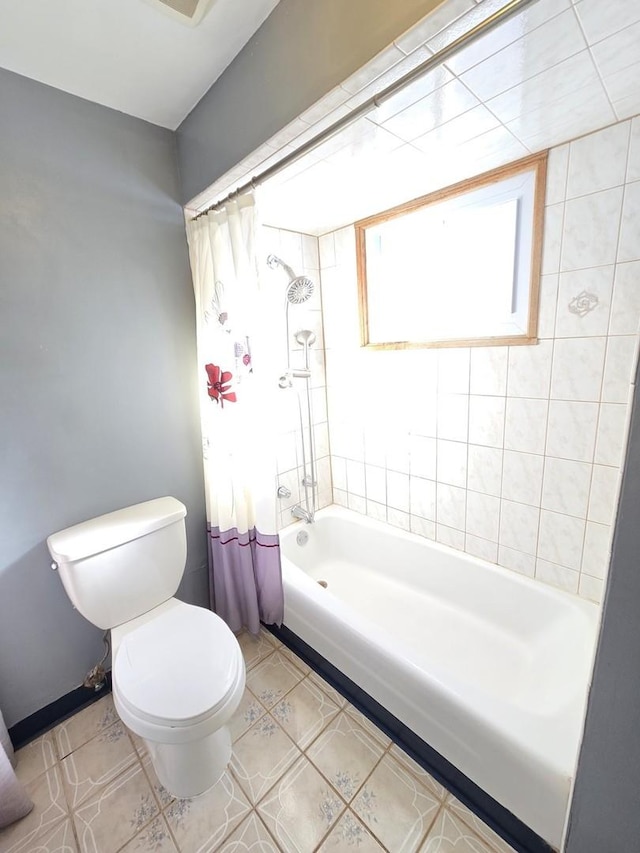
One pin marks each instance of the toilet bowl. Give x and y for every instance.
(178, 673)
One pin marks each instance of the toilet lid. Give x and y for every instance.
(175, 669)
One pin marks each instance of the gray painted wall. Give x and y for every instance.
(605, 811)
(300, 53)
(97, 357)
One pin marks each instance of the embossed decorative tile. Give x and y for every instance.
(366, 723)
(203, 822)
(97, 763)
(163, 796)
(395, 807)
(293, 657)
(345, 753)
(36, 757)
(248, 712)
(261, 756)
(255, 649)
(333, 694)
(451, 835)
(350, 834)
(304, 712)
(271, 679)
(154, 838)
(250, 837)
(118, 812)
(420, 773)
(301, 808)
(84, 725)
(479, 827)
(60, 839)
(49, 809)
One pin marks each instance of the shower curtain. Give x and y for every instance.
(14, 802)
(236, 411)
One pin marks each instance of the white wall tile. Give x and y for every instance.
(633, 166)
(484, 469)
(612, 426)
(561, 539)
(578, 365)
(339, 472)
(357, 503)
(341, 497)
(483, 516)
(376, 484)
(517, 561)
(600, 21)
(450, 536)
(398, 451)
(566, 486)
(422, 527)
(571, 431)
(591, 588)
(584, 302)
(619, 367)
(519, 526)
(422, 498)
(547, 305)
(398, 491)
(557, 170)
(453, 370)
(482, 548)
(522, 477)
(486, 420)
(453, 417)
(489, 370)
(629, 248)
(398, 518)
(452, 463)
(526, 424)
(598, 161)
(604, 494)
(530, 370)
(422, 462)
(590, 236)
(625, 309)
(451, 505)
(426, 28)
(356, 478)
(376, 510)
(552, 238)
(558, 576)
(375, 446)
(327, 251)
(597, 550)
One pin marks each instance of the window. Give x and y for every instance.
(459, 266)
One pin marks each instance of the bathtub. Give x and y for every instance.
(491, 669)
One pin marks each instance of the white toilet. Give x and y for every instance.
(177, 670)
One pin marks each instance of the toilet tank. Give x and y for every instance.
(123, 564)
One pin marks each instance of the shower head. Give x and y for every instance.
(300, 287)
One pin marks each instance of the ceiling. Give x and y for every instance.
(560, 69)
(131, 55)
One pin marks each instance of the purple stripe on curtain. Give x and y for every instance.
(245, 578)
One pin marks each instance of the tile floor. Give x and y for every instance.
(308, 773)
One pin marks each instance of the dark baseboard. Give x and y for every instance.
(503, 822)
(49, 716)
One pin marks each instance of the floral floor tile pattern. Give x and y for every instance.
(308, 773)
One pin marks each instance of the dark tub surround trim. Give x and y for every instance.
(503, 822)
(46, 718)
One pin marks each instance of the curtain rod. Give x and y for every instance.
(509, 11)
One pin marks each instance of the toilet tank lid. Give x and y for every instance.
(115, 528)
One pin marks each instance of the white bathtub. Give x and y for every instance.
(489, 668)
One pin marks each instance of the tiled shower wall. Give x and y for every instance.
(300, 252)
(512, 454)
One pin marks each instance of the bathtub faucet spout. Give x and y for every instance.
(300, 512)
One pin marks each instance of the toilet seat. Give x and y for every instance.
(177, 670)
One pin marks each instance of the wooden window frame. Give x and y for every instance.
(536, 163)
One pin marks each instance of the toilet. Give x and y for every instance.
(177, 670)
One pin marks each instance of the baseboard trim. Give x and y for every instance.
(501, 820)
(49, 716)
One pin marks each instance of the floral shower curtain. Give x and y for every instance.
(239, 460)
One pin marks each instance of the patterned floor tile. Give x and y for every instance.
(261, 756)
(304, 712)
(249, 711)
(396, 808)
(36, 757)
(163, 796)
(301, 808)
(293, 657)
(350, 833)
(479, 827)
(154, 838)
(346, 754)
(255, 649)
(118, 812)
(421, 775)
(366, 723)
(450, 835)
(204, 822)
(60, 839)
(336, 697)
(49, 809)
(96, 763)
(250, 837)
(85, 725)
(271, 679)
